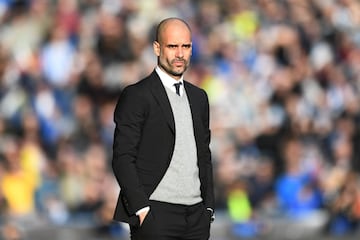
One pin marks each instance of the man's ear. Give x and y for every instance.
(156, 47)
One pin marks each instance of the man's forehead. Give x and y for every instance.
(176, 35)
(179, 43)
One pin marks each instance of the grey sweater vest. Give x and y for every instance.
(181, 183)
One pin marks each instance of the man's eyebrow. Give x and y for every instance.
(176, 45)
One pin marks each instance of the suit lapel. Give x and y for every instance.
(161, 97)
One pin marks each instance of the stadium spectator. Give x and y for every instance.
(272, 69)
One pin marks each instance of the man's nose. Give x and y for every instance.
(179, 53)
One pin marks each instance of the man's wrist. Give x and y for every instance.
(142, 213)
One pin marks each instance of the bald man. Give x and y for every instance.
(161, 154)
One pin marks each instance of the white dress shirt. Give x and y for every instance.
(169, 82)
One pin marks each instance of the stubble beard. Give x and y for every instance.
(171, 71)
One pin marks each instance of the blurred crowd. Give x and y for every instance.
(283, 79)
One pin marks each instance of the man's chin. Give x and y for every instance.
(177, 74)
(175, 71)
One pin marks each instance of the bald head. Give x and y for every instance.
(173, 46)
(167, 24)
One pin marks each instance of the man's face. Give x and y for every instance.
(174, 49)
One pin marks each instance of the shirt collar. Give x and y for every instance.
(166, 80)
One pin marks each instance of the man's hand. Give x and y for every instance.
(142, 216)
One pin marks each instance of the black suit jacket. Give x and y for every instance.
(144, 141)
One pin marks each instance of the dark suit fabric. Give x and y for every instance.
(144, 142)
(167, 221)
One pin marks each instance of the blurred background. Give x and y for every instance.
(283, 79)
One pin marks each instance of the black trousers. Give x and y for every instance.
(167, 221)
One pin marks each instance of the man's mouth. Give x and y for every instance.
(179, 63)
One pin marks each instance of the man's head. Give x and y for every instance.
(173, 46)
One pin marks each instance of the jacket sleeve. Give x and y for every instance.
(209, 200)
(129, 117)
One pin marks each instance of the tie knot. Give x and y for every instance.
(177, 88)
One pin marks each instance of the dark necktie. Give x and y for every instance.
(177, 87)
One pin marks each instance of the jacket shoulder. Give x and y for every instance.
(142, 83)
(194, 89)
(134, 94)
